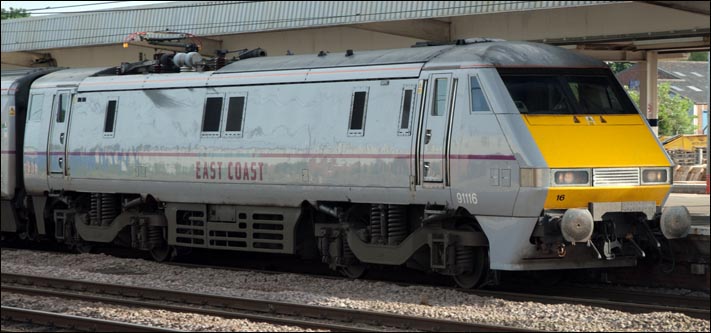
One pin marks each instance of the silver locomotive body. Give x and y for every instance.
(410, 156)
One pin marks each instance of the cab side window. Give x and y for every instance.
(478, 99)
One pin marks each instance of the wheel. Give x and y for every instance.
(82, 247)
(163, 253)
(475, 258)
(475, 278)
(353, 271)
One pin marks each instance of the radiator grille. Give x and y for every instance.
(615, 176)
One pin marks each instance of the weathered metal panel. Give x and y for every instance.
(8, 153)
(359, 58)
(245, 78)
(65, 78)
(234, 17)
(361, 73)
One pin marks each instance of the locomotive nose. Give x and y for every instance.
(675, 222)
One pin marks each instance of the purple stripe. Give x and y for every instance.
(115, 153)
(279, 155)
(484, 157)
(7, 152)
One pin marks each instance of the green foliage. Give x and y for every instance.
(673, 112)
(698, 56)
(14, 13)
(617, 67)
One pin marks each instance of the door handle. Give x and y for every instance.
(427, 168)
(61, 161)
(428, 135)
(61, 138)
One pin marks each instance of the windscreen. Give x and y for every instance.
(566, 92)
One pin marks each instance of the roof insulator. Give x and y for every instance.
(349, 53)
(322, 54)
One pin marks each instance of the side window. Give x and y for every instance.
(359, 106)
(479, 102)
(211, 117)
(110, 118)
(440, 97)
(406, 105)
(36, 103)
(63, 104)
(235, 116)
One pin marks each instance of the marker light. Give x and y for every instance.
(571, 177)
(655, 176)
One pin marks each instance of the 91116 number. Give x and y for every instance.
(467, 198)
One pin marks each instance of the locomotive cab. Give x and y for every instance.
(606, 177)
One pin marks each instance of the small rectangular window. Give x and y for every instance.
(358, 110)
(479, 102)
(235, 115)
(406, 111)
(440, 95)
(211, 116)
(63, 105)
(110, 120)
(36, 104)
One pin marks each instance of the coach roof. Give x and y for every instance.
(498, 54)
(359, 58)
(514, 54)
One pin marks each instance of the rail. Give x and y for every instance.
(228, 304)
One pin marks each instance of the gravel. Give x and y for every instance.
(365, 295)
(142, 316)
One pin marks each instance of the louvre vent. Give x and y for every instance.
(615, 176)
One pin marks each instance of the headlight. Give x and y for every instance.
(655, 176)
(570, 177)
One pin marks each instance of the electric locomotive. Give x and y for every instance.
(461, 159)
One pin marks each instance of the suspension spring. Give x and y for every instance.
(464, 258)
(155, 236)
(108, 209)
(348, 256)
(375, 236)
(397, 224)
(94, 209)
(383, 224)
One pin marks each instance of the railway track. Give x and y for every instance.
(60, 320)
(622, 300)
(233, 307)
(617, 295)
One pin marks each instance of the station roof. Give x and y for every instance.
(215, 18)
(686, 78)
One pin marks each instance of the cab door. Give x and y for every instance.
(57, 145)
(433, 140)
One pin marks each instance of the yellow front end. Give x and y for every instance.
(597, 142)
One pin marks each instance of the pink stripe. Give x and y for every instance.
(281, 155)
(7, 152)
(483, 157)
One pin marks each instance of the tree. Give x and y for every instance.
(699, 56)
(673, 112)
(14, 13)
(618, 66)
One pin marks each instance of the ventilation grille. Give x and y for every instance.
(615, 176)
(190, 228)
(266, 232)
